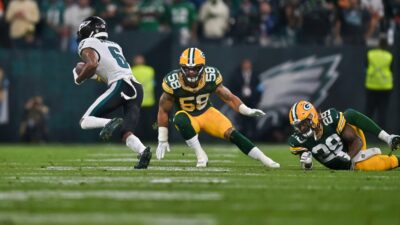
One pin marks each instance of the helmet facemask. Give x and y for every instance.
(192, 74)
(304, 127)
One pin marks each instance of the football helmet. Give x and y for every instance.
(192, 62)
(304, 118)
(92, 26)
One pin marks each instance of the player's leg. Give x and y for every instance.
(131, 117)
(378, 163)
(188, 127)
(367, 125)
(216, 124)
(104, 104)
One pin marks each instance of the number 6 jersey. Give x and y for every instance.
(329, 149)
(112, 64)
(195, 101)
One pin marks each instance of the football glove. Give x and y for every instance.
(306, 161)
(161, 148)
(244, 110)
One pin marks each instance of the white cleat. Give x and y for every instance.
(202, 164)
(273, 165)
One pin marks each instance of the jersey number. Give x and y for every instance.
(189, 104)
(332, 143)
(118, 57)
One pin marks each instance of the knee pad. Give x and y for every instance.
(183, 124)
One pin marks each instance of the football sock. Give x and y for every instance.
(384, 136)
(135, 144)
(194, 144)
(183, 124)
(243, 143)
(91, 122)
(362, 121)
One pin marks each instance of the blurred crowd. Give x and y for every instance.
(53, 23)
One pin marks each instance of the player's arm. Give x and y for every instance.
(235, 103)
(91, 59)
(165, 105)
(352, 140)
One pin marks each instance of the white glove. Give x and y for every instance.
(161, 148)
(306, 160)
(163, 144)
(244, 110)
(75, 77)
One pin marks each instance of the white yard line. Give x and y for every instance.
(130, 168)
(107, 218)
(132, 159)
(110, 194)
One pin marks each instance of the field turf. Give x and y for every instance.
(96, 184)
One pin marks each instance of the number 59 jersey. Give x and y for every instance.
(329, 150)
(196, 100)
(112, 63)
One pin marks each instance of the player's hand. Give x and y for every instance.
(161, 148)
(306, 160)
(244, 110)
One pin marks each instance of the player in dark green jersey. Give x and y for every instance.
(337, 140)
(189, 89)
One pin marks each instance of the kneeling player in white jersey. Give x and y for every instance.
(105, 61)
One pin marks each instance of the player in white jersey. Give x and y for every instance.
(105, 61)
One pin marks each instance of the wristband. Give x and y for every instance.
(244, 110)
(162, 134)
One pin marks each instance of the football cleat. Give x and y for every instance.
(144, 159)
(394, 143)
(273, 165)
(109, 128)
(202, 164)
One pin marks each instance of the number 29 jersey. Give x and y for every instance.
(329, 150)
(112, 63)
(196, 100)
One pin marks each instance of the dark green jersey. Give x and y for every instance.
(195, 101)
(329, 149)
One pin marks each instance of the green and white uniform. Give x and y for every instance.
(330, 149)
(195, 101)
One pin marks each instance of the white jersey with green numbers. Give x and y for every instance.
(112, 63)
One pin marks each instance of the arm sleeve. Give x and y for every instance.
(362, 121)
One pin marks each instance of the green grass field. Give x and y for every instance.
(96, 184)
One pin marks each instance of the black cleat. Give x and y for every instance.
(144, 159)
(110, 127)
(394, 144)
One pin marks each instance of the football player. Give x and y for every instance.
(105, 61)
(189, 89)
(336, 139)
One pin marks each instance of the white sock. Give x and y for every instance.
(91, 122)
(135, 144)
(194, 143)
(384, 136)
(257, 154)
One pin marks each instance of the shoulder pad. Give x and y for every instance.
(88, 43)
(339, 121)
(171, 82)
(213, 75)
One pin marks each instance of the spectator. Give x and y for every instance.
(379, 81)
(268, 22)
(353, 24)
(376, 10)
(33, 127)
(214, 14)
(52, 12)
(108, 10)
(293, 20)
(73, 16)
(4, 41)
(22, 15)
(245, 27)
(3, 97)
(145, 74)
(151, 15)
(317, 24)
(129, 15)
(181, 16)
(244, 84)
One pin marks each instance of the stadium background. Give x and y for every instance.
(47, 71)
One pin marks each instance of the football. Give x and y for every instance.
(79, 66)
